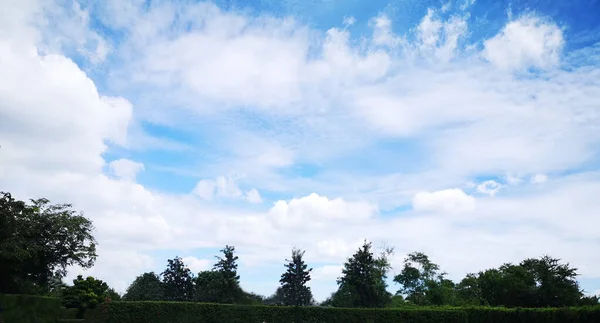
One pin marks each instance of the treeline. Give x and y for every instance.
(40, 240)
(543, 282)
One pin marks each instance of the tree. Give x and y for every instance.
(423, 283)
(556, 283)
(85, 294)
(293, 281)
(362, 283)
(178, 281)
(276, 299)
(39, 241)
(146, 287)
(540, 282)
(216, 287)
(227, 265)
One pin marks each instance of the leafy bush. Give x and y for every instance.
(30, 309)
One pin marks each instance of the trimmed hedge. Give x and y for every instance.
(180, 312)
(589, 314)
(30, 309)
(37, 309)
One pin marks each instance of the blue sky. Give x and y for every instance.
(465, 129)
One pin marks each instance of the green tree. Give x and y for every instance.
(146, 287)
(227, 264)
(215, 287)
(276, 299)
(542, 282)
(362, 283)
(85, 294)
(556, 283)
(293, 281)
(39, 241)
(178, 281)
(423, 283)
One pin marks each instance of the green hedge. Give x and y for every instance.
(179, 312)
(37, 309)
(30, 309)
(534, 315)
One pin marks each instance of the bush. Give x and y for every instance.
(179, 312)
(534, 315)
(30, 309)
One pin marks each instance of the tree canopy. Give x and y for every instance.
(362, 283)
(39, 241)
(178, 281)
(293, 281)
(146, 287)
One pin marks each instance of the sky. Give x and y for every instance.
(468, 130)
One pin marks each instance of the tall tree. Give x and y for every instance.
(178, 281)
(146, 287)
(293, 281)
(39, 241)
(215, 287)
(423, 283)
(227, 264)
(85, 294)
(362, 283)
(556, 283)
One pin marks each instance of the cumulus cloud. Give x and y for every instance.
(319, 210)
(526, 42)
(197, 265)
(224, 187)
(125, 168)
(450, 200)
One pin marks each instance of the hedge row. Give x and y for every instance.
(36, 309)
(171, 312)
(179, 312)
(32, 309)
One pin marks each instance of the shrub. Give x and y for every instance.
(30, 309)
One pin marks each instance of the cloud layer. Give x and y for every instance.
(181, 127)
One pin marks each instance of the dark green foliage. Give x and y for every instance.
(222, 284)
(540, 282)
(38, 241)
(30, 309)
(423, 283)
(146, 287)
(293, 282)
(215, 287)
(85, 294)
(180, 312)
(178, 281)
(276, 298)
(363, 281)
(227, 265)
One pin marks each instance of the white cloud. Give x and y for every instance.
(125, 168)
(450, 200)
(513, 180)
(526, 42)
(56, 127)
(197, 265)
(224, 187)
(539, 178)
(315, 210)
(330, 272)
(253, 196)
(489, 187)
(349, 21)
